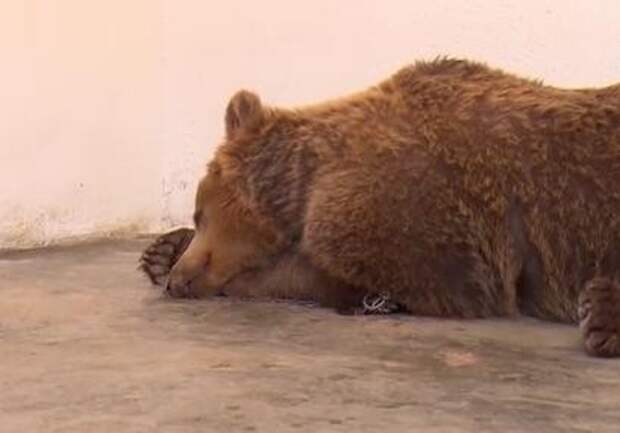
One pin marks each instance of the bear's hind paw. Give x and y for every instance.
(599, 317)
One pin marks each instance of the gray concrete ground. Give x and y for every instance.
(86, 346)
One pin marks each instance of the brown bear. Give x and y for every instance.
(452, 188)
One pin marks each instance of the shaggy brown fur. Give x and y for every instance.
(459, 189)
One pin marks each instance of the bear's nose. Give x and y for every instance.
(170, 289)
(183, 277)
(178, 288)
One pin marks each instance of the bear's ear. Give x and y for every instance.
(244, 113)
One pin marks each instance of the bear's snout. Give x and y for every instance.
(183, 281)
(178, 287)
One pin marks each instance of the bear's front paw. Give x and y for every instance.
(599, 317)
(158, 258)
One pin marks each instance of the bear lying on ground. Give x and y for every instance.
(456, 189)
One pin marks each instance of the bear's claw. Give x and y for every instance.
(158, 258)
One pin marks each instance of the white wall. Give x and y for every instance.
(80, 110)
(112, 108)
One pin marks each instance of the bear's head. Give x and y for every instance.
(231, 234)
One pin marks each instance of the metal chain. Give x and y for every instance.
(378, 304)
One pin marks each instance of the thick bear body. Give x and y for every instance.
(458, 189)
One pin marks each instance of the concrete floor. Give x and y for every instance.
(86, 346)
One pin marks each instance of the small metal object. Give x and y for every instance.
(379, 304)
